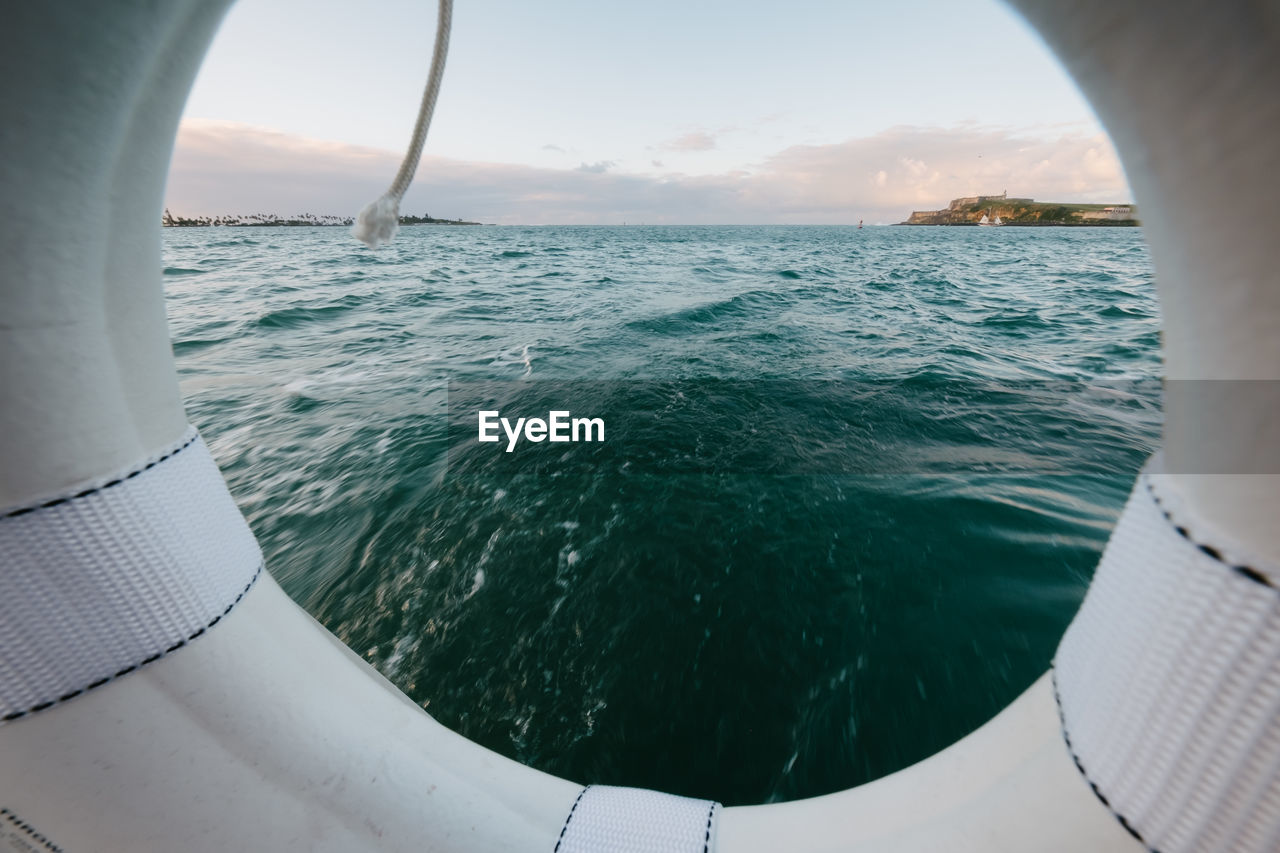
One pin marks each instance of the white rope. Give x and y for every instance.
(379, 221)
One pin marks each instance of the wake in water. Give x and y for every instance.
(854, 484)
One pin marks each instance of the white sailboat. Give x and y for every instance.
(984, 220)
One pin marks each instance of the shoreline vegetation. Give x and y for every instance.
(168, 220)
(1025, 211)
(971, 210)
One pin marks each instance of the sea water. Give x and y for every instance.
(851, 489)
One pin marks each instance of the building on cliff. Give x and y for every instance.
(969, 210)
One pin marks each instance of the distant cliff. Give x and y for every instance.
(1024, 211)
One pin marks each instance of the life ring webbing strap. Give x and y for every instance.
(1168, 683)
(116, 574)
(607, 819)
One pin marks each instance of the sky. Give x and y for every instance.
(604, 112)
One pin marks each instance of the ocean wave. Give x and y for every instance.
(844, 490)
(296, 316)
(753, 303)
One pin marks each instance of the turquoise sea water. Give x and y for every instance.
(853, 486)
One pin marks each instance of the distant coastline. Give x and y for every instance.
(1025, 211)
(168, 220)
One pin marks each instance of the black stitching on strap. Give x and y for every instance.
(706, 840)
(117, 481)
(560, 840)
(128, 669)
(1248, 572)
(30, 831)
(1079, 766)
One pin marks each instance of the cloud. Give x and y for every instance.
(657, 163)
(550, 147)
(220, 167)
(908, 168)
(696, 141)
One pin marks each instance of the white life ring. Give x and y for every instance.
(159, 692)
